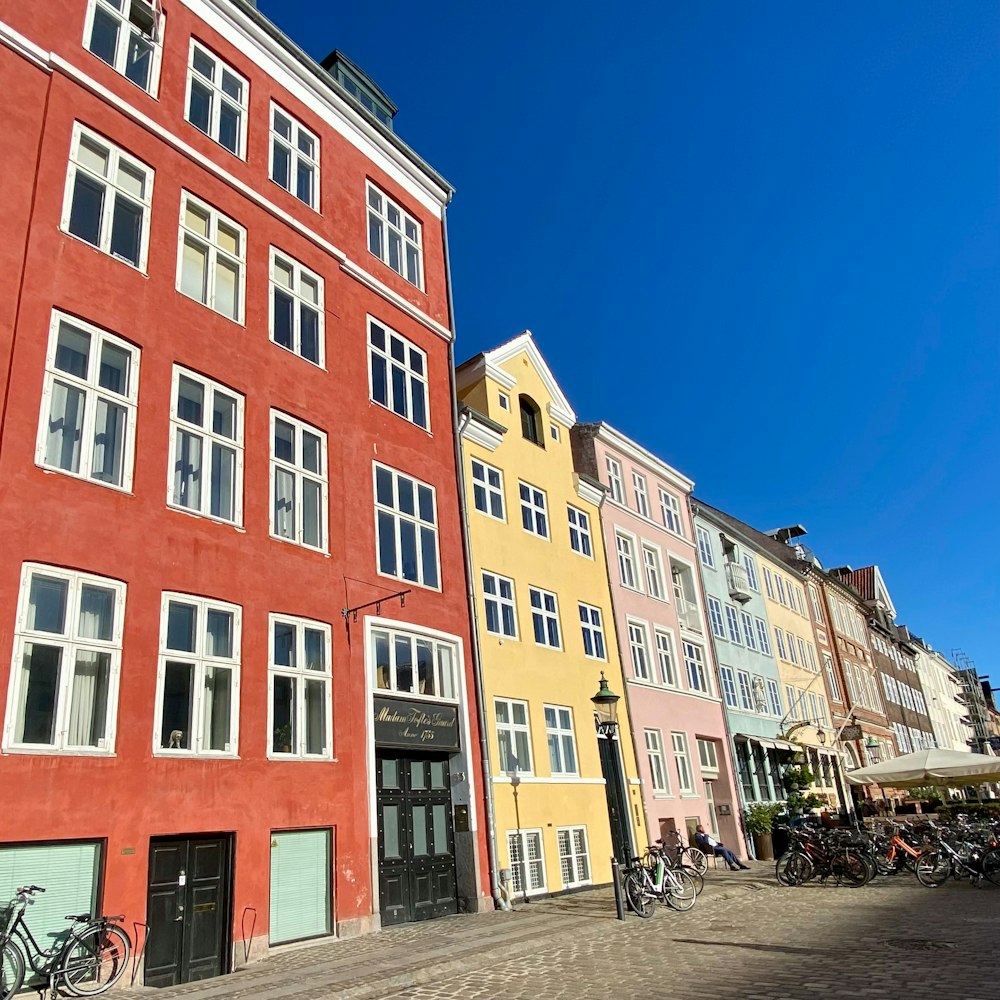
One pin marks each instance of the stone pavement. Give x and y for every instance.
(746, 938)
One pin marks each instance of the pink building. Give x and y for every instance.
(671, 687)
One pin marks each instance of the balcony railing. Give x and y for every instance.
(739, 582)
(687, 614)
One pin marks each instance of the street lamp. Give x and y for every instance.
(606, 708)
(820, 732)
(612, 767)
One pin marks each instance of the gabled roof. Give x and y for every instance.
(637, 453)
(490, 363)
(868, 582)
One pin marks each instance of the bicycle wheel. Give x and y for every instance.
(850, 870)
(933, 869)
(793, 868)
(991, 865)
(639, 900)
(696, 859)
(678, 887)
(695, 876)
(94, 959)
(11, 971)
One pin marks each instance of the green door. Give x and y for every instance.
(68, 872)
(300, 885)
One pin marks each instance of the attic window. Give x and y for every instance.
(363, 96)
(531, 420)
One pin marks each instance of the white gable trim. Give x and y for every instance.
(558, 408)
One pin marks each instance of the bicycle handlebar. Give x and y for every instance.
(29, 890)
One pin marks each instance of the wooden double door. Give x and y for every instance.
(416, 837)
(188, 909)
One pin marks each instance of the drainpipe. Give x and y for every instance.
(499, 900)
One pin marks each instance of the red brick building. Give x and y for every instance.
(227, 423)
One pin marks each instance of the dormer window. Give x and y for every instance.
(531, 420)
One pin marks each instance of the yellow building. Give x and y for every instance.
(545, 627)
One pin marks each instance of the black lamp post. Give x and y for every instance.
(606, 708)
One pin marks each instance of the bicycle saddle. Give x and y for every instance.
(81, 917)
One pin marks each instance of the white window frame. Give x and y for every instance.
(419, 522)
(213, 254)
(666, 657)
(705, 547)
(733, 624)
(670, 511)
(616, 481)
(657, 761)
(708, 757)
(592, 627)
(534, 510)
(301, 276)
(300, 474)
(512, 728)
(209, 438)
(300, 675)
(548, 616)
(745, 690)
(296, 155)
(641, 492)
(792, 655)
(564, 736)
(69, 644)
(780, 637)
(769, 583)
(652, 564)
(132, 27)
(729, 695)
(751, 567)
(414, 374)
(201, 661)
(763, 639)
(498, 599)
(93, 393)
(817, 608)
(574, 855)
(749, 638)
(682, 754)
(219, 96)
(489, 491)
(580, 539)
(627, 569)
(117, 158)
(444, 653)
(773, 697)
(716, 618)
(523, 867)
(695, 667)
(379, 207)
(638, 643)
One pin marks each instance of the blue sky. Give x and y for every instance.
(759, 238)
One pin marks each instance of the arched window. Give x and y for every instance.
(531, 420)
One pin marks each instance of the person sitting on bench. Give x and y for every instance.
(711, 846)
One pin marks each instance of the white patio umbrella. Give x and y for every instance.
(929, 767)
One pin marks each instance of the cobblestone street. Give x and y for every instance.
(746, 938)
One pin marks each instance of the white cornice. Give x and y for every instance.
(637, 453)
(558, 407)
(478, 433)
(470, 374)
(24, 47)
(588, 491)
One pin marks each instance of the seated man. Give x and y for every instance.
(711, 846)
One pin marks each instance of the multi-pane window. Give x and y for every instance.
(779, 584)
(773, 697)
(394, 236)
(705, 547)
(793, 701)
(579, 531)
(298, 482)
(746, 620)
(398, 373)
(544, 617)
(487, 489)
(733, 625)
(574, 860)
(708, 755)
(217, 99)
(811, 650)
(301, 700)
(406, 534)
(527, 861)
(769, 583)
(654, 571)
(414, 664)
(665, 658)
(763, 639)
(745, 690)
(296, 308)
(126, 34)
(513, 736)
(792, 655)
(559, 734)
(715, 617)
(694, 663)
(780, 639)
(498, 596)
(107, 200)
(641, 494)
(534, 518)
(683, 762)
(63, 691)
(654, 755)
(626, 560)
(638, 641)
(592, 628)
(751, 567)
(616, 483)
(817, 608)
(206, 447)
(198, 691)
(87, 425)
(670, 511)
(294, 157)
(211, 258)
(728, 686)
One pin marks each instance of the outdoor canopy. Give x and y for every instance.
(930, 767)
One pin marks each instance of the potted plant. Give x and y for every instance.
(760, 817)
(282, 739)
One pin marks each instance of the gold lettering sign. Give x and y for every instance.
(416, 724)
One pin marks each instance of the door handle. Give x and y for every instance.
(180, 914)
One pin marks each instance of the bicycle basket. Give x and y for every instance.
(6, 919)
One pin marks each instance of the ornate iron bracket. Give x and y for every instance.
(352, 613)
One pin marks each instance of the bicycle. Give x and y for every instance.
(975, 863)
(823, 856)
(685, 855)
(644, 885)
(90, 960)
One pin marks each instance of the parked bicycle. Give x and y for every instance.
(646, 884)
(89, 960)
(960, 853)
(685, 854)
(836, 854)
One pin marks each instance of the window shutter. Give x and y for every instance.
(300, 885)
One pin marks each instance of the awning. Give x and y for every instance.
(789, 746)
(770, 744)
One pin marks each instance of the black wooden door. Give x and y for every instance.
(188, 910)
(416, 839)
